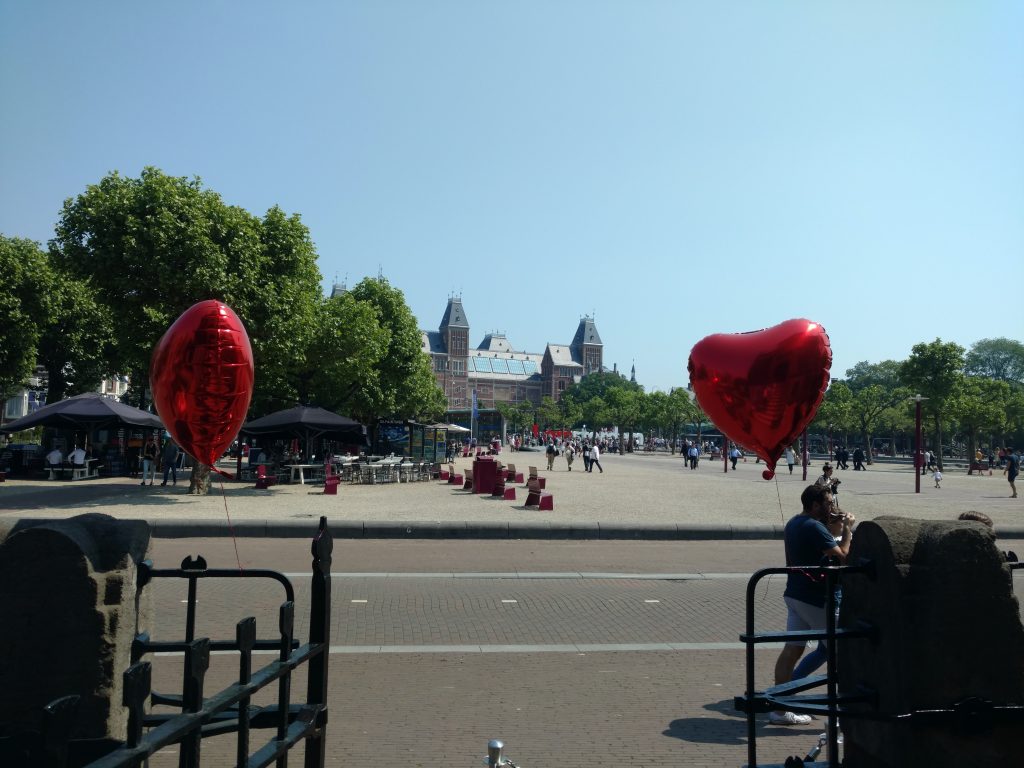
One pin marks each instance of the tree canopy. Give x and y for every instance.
(152, 247)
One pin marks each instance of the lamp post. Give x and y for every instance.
(918, 455)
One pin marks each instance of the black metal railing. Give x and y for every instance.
(787, 696)
(227, 711)
(971, 714)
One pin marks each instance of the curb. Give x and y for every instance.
(434, 530)
(481, 530)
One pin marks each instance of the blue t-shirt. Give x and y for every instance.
(806, 541)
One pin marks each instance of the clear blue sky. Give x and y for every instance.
(677, 168)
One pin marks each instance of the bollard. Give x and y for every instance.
(496, 756)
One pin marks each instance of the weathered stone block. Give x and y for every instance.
(69, 612)
(948, 629)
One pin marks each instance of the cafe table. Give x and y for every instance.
(299, 470)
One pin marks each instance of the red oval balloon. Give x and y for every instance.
(201, 376)
(762, 388)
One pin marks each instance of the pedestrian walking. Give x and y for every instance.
(169, 456)
(790, 458)
(595, 458)
(149, 461)
(1011, 469)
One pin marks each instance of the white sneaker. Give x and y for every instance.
(788, 718)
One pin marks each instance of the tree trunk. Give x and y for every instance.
(938, 441)
(866, 437)
(199, 483)
(971, 452)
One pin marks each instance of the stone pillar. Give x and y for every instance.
(68, 610)
(948, 628)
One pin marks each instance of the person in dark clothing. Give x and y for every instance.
(858, 460)
(1011, 469)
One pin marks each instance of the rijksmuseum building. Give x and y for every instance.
(498, 373)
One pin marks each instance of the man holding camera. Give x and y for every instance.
(808, 542)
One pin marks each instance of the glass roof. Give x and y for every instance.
(483, 364)
(499, 365)
(516, 366)
(530, 366)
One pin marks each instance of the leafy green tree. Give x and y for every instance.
(598, 385)
(595, 413)
(405, 386)
(548, 413)
(680, 410)
(152, 247)
(570, 412)
(624, 408)
(868, 406)
(835, 413)
(885, 374)
(981, 406)
(519, 416)
(75, 345)
(340, 370)
(934, 370)
(1001, 359)
(25, 310)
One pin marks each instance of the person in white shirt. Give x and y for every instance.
(55, 458)
(77, 457)
(595, 458)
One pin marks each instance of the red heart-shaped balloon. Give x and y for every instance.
(201, 376)
(761, 389)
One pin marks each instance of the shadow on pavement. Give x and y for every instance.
(731, 730)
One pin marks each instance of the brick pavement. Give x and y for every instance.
(585, 709)
(575, 706)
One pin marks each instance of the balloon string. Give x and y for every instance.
(231, 528)
(782, 514)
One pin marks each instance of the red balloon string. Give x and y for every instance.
(231, 528)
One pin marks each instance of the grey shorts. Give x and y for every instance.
(801, 615)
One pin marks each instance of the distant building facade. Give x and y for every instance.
(498, 373)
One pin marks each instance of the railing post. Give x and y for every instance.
(197, 661)
(58, 718)
(245, 636)
(319, 632)
(188, 564)
(286, 623)
(137, 686)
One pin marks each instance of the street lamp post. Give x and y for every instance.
(918, 455)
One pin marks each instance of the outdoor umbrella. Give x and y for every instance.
(308, 421)
(454, 428)
(85, 412)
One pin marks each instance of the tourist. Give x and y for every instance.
(149, 461)
(807, 541)
(595, 458)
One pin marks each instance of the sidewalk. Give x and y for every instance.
(637, 497)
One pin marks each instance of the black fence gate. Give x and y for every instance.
(228, 711)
